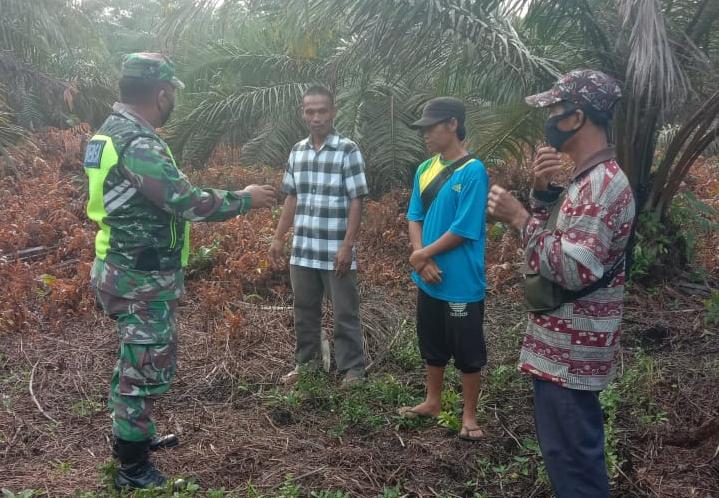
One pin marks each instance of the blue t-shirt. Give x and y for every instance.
(460, 208)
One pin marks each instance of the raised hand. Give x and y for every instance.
(547, 163)
(505, 207)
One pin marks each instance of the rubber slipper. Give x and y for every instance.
(465, 433)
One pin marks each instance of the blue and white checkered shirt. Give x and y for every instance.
(324, 182)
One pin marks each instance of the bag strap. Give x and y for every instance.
(603, 282)
(606, 279)
(430, 192)
(608, 276)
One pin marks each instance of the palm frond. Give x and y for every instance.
(36, 30)
(10, 132)
(210, 115)
(271, 100)
(502, 133)
(697, 19)
(571, 23)
(402, 35)
(376, 114)
(30, 115)
(37, 98)
(50, 52)
(229, 64)
(274, 141)
(201, 21)
(652, 65)
(31, 29)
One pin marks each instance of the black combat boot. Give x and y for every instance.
(136, 470)
(156, 443)
(163, 442)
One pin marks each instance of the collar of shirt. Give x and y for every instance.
(125, 111)
(596, 158)
(332, 141)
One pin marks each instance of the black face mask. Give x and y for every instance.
(556, 137)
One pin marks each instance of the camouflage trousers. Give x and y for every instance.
(146, 363)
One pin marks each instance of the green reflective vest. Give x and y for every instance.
(134, 233)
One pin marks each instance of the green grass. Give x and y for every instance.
(288, 489)
(405, 352)
(86, 407)
(329, 494)
(63, 467)
(630, 394)
(371, 407)
(712, 310)
(527, 462)
(393, 492)
(451, 414)
(364, 407)
(26, 493)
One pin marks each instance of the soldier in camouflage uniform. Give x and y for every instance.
(143, 205)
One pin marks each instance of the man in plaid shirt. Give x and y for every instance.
(325, 184)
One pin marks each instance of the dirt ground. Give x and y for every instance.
(242, 432)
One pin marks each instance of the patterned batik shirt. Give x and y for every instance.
(577, 345)
(324, 181)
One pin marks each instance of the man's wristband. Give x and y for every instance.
(551, 194)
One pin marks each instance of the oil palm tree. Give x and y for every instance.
(54, 63)
(10, 134)
(385, 58)
(664, 51)
(247, 89)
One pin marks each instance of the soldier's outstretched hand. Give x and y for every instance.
(262, 195)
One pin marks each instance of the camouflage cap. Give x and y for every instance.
(150, 66)
(582, 87)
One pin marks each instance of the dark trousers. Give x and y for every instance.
(309, 287)
(570, 429)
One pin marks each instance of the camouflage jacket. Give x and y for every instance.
(143, 205)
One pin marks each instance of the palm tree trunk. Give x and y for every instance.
(636, 141)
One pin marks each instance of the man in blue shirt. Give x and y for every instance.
(447, 239)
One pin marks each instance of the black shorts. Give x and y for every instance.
(447, 330)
